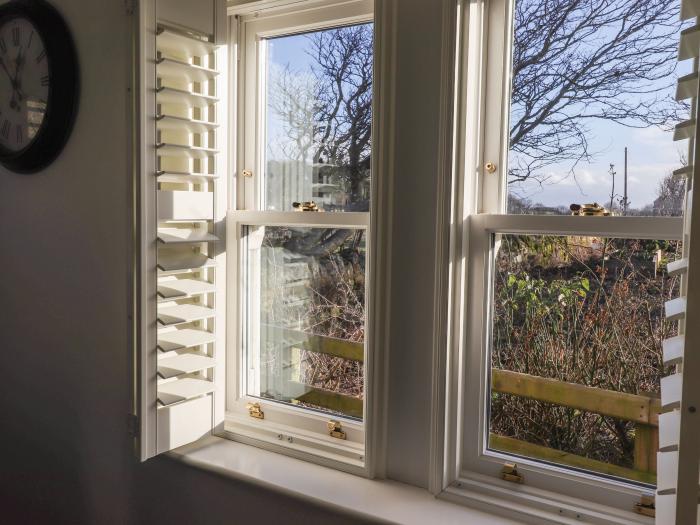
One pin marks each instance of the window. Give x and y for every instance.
(298, 242)
(574, 215)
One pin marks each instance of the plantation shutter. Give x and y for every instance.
(181, 254)
(679, 423)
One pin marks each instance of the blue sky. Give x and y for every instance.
(283, 51)
(652, 152)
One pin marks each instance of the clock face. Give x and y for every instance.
(24, 83)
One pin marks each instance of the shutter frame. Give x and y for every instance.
(679, 426)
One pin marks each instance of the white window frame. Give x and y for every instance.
(470, 472)
(286, 429)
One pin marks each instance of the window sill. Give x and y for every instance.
(383, 500)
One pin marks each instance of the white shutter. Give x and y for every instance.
(182, 275)
(678, 462)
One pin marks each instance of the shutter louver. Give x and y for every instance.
(186, 150)
(678, 459)
(690, 9)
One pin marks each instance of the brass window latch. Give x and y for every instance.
(305, 206)
(335, 429)
(255, 411)
(509, 472)
(646, 506)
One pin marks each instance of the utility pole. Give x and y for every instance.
(624, 201)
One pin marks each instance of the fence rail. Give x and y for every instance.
(295, 341)
(641, 410)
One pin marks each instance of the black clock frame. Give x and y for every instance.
(64, 86)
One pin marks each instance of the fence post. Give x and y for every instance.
(646, 443)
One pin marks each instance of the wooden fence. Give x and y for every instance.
(294, 342)
(641, 410)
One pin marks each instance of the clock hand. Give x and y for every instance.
(13, 101)
(4, 66)
(19, 63)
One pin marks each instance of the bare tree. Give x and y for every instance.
(343, 112)
(671, 197)
(579, 60)
(327, 113)
(293, 100)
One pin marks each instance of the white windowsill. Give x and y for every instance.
(379, 499)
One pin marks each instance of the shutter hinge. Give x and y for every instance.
(509, 472)
(335, 429)
(132, 425)
(646, 506)
(255, 411)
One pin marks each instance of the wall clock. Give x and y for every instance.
(39, 85)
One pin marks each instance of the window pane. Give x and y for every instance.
(576, 322)
(319, 119)
(593, 109)
(306, 316)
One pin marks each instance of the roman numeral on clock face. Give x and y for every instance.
(41, 56)
(45, 80)
(3, 45)
(15, 36)
(5, 129)
(18, 134)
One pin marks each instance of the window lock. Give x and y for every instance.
(510, 473)
(255, 411)
(646, 506)
(335, 429)
(305, 206)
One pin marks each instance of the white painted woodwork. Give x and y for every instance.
(183, 423)
(183, 313)
(189, 45)
(185, 235)
(666, 470)
(688, 205)
(690, 43)
(200, 16)
(183, 288)
(185, 205)
(678, 471)
(183, 339)
(684, 130)
(675, 309)
(171, 95)
(669, 429)
(673, 350)
(183, 389)
(665, 508)
(177, 261)
(169, 67)
(677, 267)
(185, 177)
(690, 9)
(181, 364)
(177, 123)
(683, 173)
(184, 151)
(687, 86)
(671, 389)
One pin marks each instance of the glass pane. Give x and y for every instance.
(576, 322)
(319, 119)
(593, 109)
(305, 295)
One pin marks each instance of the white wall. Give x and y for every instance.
(64, 310)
